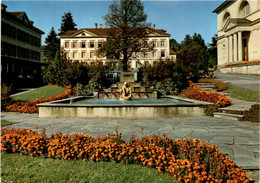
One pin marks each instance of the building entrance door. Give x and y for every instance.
(245, 50)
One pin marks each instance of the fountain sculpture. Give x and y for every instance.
(125, 93)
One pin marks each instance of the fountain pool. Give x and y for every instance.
(89, 107)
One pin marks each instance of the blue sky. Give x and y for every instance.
(177, 17)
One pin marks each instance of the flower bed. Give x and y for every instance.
(242, 63)
(30, 106)
(194, 92)
(188, 160)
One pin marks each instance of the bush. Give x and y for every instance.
(253, 113)
(6, 100)
(209, 110)
(82, 90)
(221, 86)
(165, 74)
(188, 160)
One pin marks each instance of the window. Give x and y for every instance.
(246, 9)
(91, 44)
(100, 44)
(83, 45)
(225, 18)
(162, 43)
(91, 54)
(67, 54)
(154, 44)
(83, 34)
(74, 45)
(66, 44)
(83, 54)
(153, 54)
(162, 53)
(74, 54)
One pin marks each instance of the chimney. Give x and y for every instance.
(96, 25)
(154, 26)
(100, 26)
(3, 7)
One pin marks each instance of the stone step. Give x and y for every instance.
(206, 84)
(208, 89)
(228, 116)
(231, 111)
(225, 94)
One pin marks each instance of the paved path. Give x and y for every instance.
(246, 81)
(239, 139)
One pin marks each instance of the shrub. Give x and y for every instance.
(6, 100)
(165, 74)
(221, 86)
(86, 90)
(253, 113)
(30, 106)
(209, 110)
(188, 160)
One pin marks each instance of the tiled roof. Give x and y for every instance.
(172, 52)
(104, 32)
(17, 13)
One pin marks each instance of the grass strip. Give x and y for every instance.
(243, 93)
(5, 123)
(21, 168)
(39, 93)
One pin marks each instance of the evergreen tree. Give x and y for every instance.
(212, 47)
(67, 23)
(52, 46)
(174, 45)
(128, 31)
(194, 57)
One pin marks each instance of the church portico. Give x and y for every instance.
(238, 32)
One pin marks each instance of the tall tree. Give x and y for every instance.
(52, 46)
(174, 45)
(212, 47)
(67, 23)
(128, 31)
(194, 57)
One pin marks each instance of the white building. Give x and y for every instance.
(238, 31)
(81, 45)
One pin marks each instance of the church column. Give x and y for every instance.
(235, 46)
(239, 46)
(226, 50)
(230, 48)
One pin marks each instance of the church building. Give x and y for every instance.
(238, 31)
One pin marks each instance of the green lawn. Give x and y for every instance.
(21, 168)
(42, 92)
(243, 93)
(5, 123)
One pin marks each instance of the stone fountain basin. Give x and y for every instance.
(71, 108)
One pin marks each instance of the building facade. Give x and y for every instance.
(20, 49)
(81, 45)
(238, 31)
